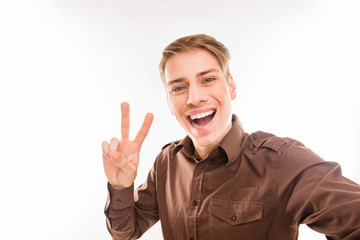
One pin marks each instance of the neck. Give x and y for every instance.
(204, 151)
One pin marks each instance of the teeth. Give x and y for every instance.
(201, 115)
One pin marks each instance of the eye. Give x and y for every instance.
(207, 80)
(177, 89)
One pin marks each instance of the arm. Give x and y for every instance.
(128, 217)
(315, 193)
(121, 159)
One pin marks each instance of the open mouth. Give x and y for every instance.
(201, 119)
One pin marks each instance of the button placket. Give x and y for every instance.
(195, 198)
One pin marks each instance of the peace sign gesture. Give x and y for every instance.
(121, 157)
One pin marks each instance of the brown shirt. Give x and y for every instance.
(255, 187)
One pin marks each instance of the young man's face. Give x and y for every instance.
(199, 96)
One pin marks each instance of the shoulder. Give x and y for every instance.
(261, 140)
(287, 152)
(168, 149)
(170, 145)
(165, 156)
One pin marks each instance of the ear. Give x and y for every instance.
(232, 87)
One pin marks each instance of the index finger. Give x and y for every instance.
(125, 120)
(139, 139)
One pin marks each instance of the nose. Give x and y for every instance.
(196, 96)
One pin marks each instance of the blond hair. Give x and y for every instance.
(198, 41)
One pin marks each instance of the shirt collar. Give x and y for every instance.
(230, 143)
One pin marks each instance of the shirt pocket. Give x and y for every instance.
(232, 219)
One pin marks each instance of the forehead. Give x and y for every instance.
(188, 63)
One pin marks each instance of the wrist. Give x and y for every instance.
(118, 187)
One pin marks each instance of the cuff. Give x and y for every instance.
(120, 199)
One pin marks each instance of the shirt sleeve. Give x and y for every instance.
(314, 192)
(129, 214)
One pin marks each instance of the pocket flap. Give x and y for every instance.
(235, 213)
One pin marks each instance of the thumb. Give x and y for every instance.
(116, 158)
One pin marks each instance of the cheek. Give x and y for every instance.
(222, 94)
(179, 118)
(175, 103)
(225, 101)
(170, 103)
(174, 108)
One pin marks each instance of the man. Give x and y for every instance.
(220, 182)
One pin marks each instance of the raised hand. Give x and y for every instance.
(121, 157)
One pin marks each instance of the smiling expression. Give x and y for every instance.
(199, 96)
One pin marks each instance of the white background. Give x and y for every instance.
(65, 67)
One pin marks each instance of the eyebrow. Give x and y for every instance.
(175, 81)
(197, 75)
(207, 71)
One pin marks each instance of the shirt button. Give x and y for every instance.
(233, 218)
(118, 201)
(194, 203)
(254, 136)
(201, 166)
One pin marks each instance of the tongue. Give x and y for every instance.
(203, 121)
